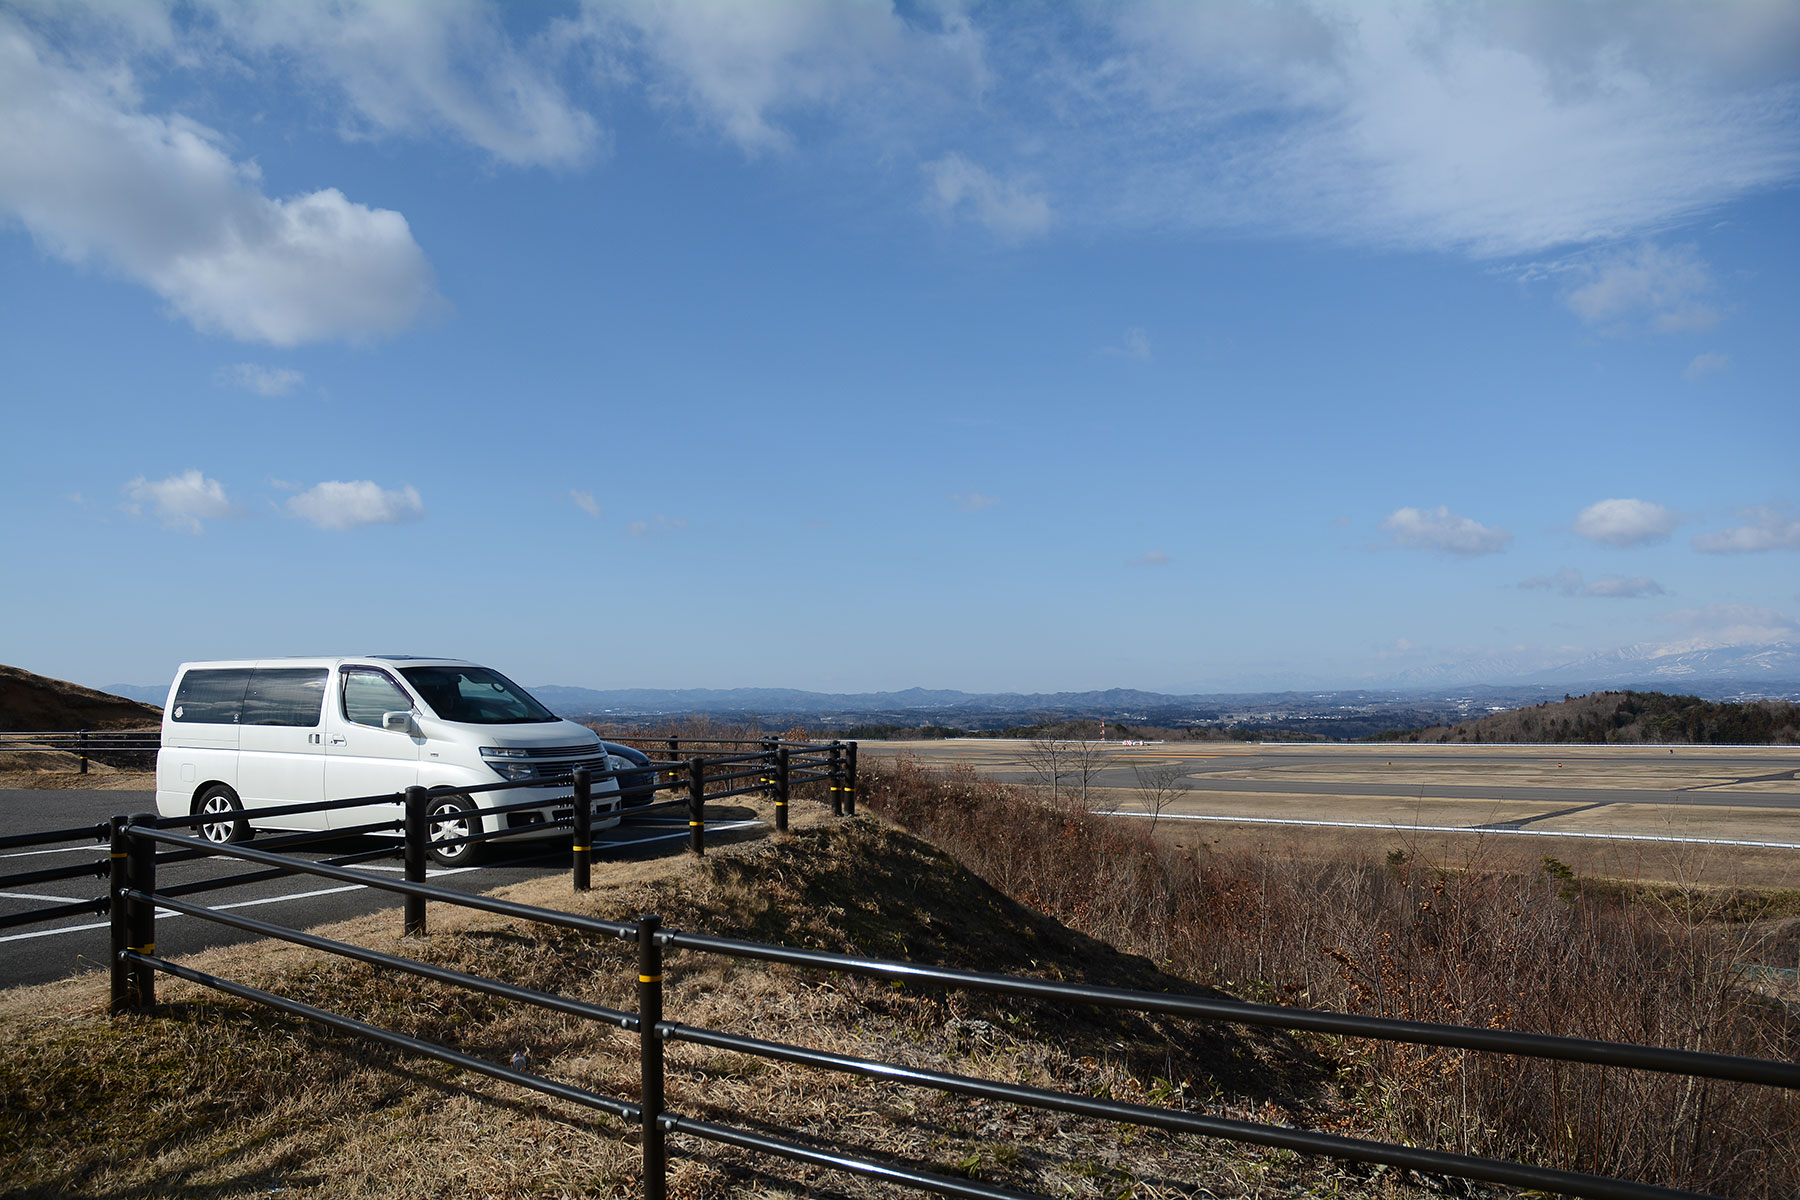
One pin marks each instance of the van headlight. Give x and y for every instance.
(499, 759)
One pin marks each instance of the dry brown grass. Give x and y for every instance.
(211, 1097)
(1454, 942)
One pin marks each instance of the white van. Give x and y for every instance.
(252, 733)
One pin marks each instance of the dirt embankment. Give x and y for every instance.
(36, 703)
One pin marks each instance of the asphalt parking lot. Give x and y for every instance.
(46, 952)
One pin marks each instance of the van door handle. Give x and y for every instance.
(338, 741)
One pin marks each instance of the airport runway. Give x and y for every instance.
(1739, 804)
(41, 953)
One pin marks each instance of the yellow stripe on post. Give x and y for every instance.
(649, 978)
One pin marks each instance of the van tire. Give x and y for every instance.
(448, 817)
(228, 829)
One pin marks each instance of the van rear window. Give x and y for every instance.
(242, 696)
(284, 696)
(211, 697)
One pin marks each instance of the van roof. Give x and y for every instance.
(324, 660)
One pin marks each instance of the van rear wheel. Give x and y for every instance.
(222, 802)
(451, 817)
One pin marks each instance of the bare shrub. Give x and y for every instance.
(1452, 942)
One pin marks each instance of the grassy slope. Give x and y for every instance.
(36, 702)
(209, 1097)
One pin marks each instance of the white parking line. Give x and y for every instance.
(35, 896)
(89, 849)
(1392, 827)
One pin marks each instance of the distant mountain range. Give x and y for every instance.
(1449, 690)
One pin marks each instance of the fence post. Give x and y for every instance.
(768, 767)
(850, 778)
(650, 1056)
(584, 828)
(697, 804)
(417, 836)
(119, 919)
(781, 789)
(140, 875)
(84, 752)
(835, 771)
(674, 749)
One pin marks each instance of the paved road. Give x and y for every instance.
(41, 953)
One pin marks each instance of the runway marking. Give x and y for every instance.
(1490, 831)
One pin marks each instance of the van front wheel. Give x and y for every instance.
(230, 827)
(451, 817)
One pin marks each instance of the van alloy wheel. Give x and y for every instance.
(230, 827)
(451, 817)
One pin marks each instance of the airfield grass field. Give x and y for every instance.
(1632, 813)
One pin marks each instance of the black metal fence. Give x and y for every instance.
(428, 816)
(139, 845)
(127, 749)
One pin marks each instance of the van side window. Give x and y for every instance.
(368, 694)
(292, 696)
(210, 697)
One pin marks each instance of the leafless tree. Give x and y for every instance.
(1157, 786)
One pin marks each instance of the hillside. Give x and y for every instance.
(36, 703)
(248, 1104)
(1626, 718)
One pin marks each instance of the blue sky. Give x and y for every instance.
(858, 346)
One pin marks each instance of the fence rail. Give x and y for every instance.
(115, 747)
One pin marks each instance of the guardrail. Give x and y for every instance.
(135, 842)
(114, 747)
(426, 818)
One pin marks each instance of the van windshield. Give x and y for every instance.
(475, 696)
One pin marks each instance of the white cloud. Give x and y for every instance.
(1443, 531)
(1495, 129)
(1135, 344)
(1710, 363)
(1663, 289)
(1735, 625)
(181, 501)
(1149, 558)
(586, 503)
(254, 377)
(1766, 527)
(1625, 522)
(960, 189)
(972, 501)
(745, 68)
(418, 67)
(336, 504)
(157, 199)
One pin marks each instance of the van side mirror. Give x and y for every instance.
(399, 722)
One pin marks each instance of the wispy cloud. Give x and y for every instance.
(1007, 208)
(1735, 625)
(254, 377)
(1135, 345)
(1626, 522)
(1646, 287)
(586, 503)
(181, 501)
(1766, 527)
(970, 502)
(1710, 363)
(340, 505)
(1149, 558)
(1440, 530)
(657, 526)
